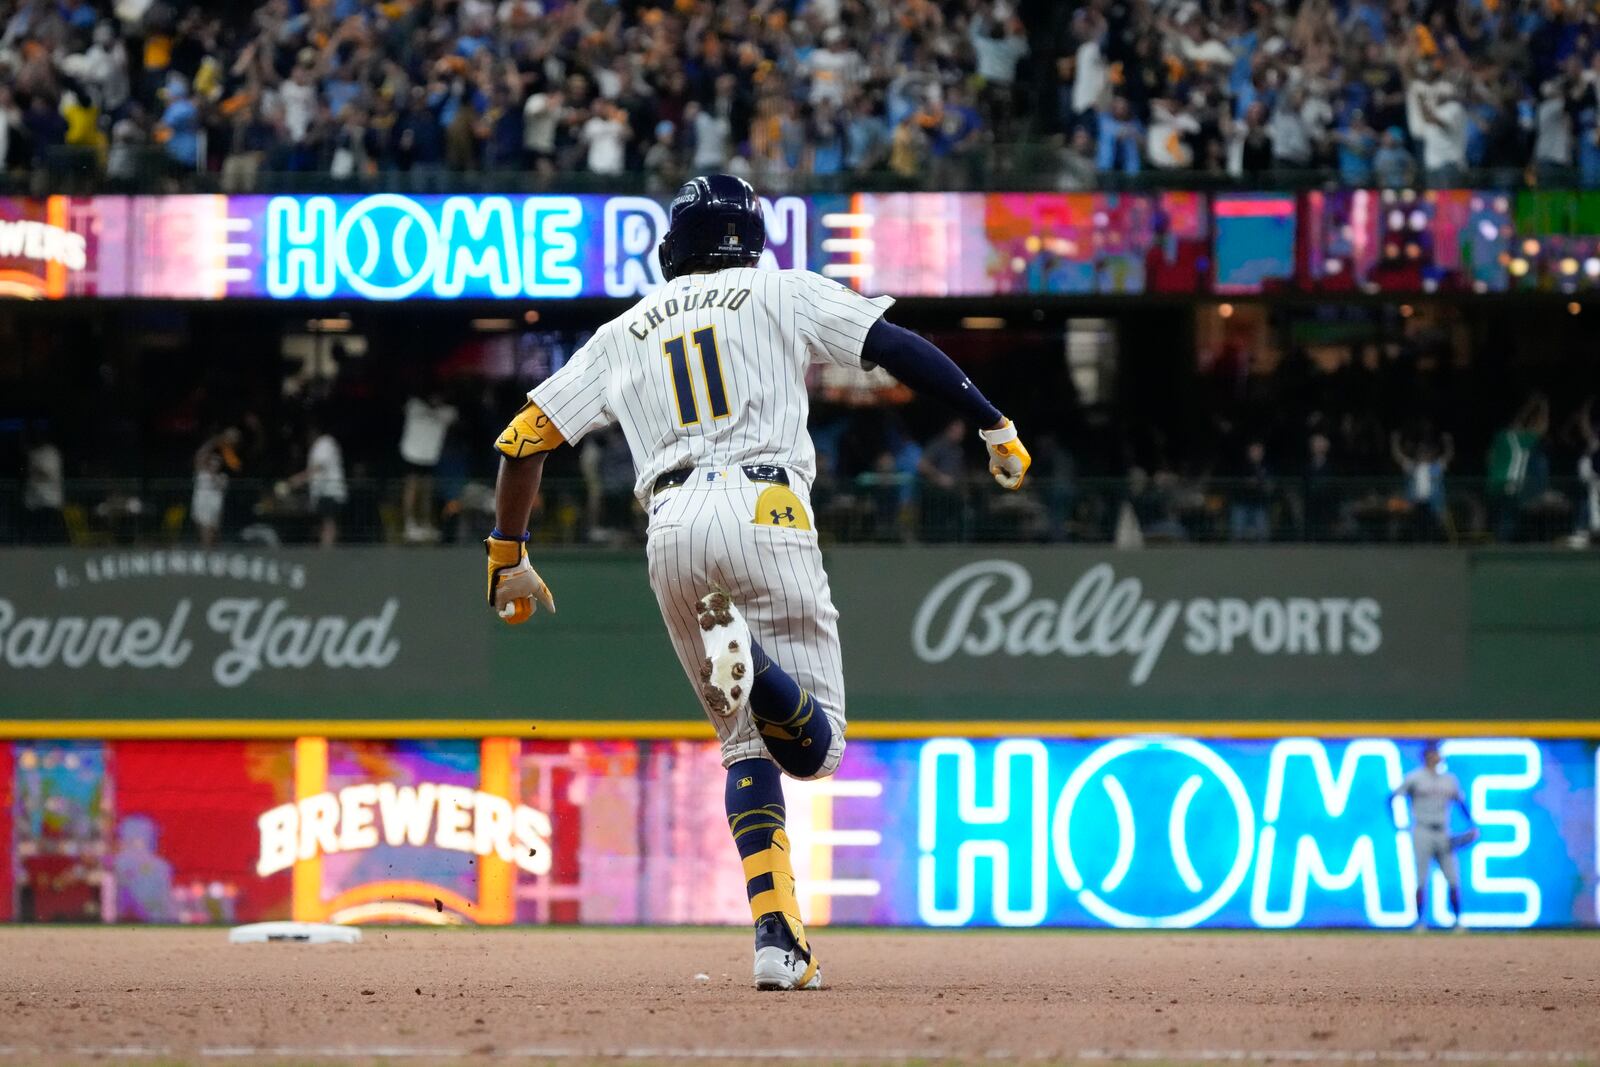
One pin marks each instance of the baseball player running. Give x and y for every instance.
(1431, 792)
(706, 377)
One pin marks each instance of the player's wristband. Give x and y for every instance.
(496, 535)
(1001, 435)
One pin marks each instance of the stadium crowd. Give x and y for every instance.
(1369, 91)
(1385, 440)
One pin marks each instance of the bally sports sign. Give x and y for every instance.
(989, 608)
(1036, 630)
(929, 633)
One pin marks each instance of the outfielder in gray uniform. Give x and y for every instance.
(707, 378)
(1431, 792)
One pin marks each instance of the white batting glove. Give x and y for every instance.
(1008, 456)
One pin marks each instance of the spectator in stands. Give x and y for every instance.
(1150, 511)
(834, 70)
(427, 421)
(323, 479)
(212, 463)
(591, 82)
(44, 492)
(999, 45)
(1249, 515)
(942, 466)
(1392, 165)
(607, 466)
(605, 135)
(1443, 136)
(1250, 143)
(1588, 529)
(102, 69)
(14, 154)
(350, 154)
(827, 139)
(541, 118)
(662, 172)
(83, 125)
(1120, 139)
(866, 136)
(711, 135)
(908, 149)
(1088, 68)
(1169, 138)
(1552, 145)
(1319, 489)
(1588, 124)
(1424, 488)
(1292, 146)
(1357, 144)
(419, 138)
(1512, 456)
(1077, 163)
(252, 137)
(957, 134)
(500, 130)
(45, 128)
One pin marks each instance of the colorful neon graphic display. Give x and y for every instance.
(391, 247)
(1164, 832)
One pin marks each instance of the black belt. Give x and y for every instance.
(1435, 827)
(756, 472)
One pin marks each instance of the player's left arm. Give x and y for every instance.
(515, 588)
(919, 364)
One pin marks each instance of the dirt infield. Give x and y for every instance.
(186, 996)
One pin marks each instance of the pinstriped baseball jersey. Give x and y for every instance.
(709, 370)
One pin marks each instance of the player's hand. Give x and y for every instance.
(1008, 456)
(515, 588)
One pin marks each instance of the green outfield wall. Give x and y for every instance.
(1027, 635)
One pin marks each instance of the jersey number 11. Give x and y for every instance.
(677, 354)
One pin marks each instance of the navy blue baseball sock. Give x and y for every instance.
(795, 730)
(754, 802)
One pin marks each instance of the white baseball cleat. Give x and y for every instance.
(727, 672)
(781, 964)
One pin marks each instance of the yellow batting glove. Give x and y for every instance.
(515, 588)
(1008, 457)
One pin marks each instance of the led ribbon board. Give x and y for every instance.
(1165, 832)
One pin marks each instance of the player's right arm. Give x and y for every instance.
(566, 406)
(515, 588)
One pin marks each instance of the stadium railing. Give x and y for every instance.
(1031, 166)
(871, 508)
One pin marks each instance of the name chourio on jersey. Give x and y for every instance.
(709, 370)
(727, 299)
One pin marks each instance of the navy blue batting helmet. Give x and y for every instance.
(714, 222)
